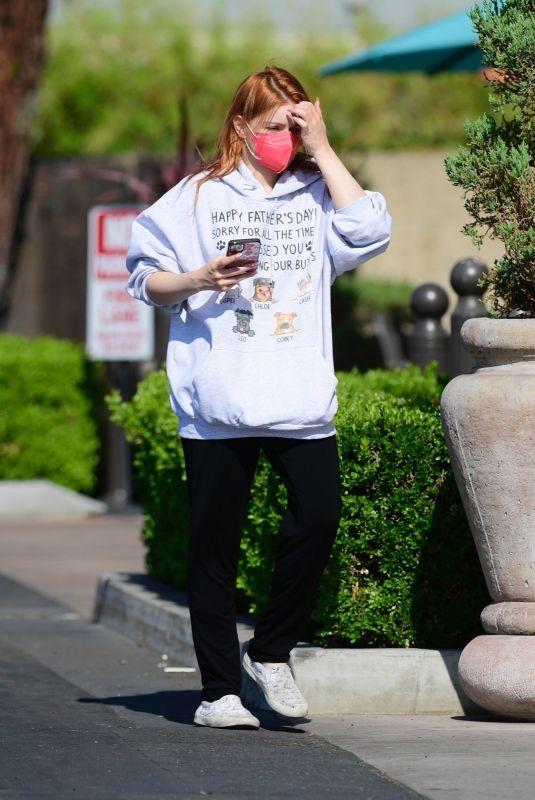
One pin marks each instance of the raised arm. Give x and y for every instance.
(343, 187)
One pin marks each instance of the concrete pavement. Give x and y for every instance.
(63, 557)
(87, 711)
(43, 499)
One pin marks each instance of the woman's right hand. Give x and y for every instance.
(221, 273)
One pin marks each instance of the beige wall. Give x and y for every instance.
(427, 213)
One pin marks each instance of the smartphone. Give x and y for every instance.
(247, 249)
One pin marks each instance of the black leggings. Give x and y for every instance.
(220, 474)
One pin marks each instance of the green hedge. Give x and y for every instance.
(403, 571)
(49, 425)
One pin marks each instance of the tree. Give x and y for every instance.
(496, 167)
(21, 55)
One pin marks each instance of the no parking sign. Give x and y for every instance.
(119, 328)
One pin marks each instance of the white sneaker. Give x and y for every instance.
(227, 712)
(278, 685)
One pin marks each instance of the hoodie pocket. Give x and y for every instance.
(266, 389)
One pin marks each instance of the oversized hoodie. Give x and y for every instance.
(256, 360)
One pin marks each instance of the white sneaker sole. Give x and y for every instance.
(227, 721)
(279, 709)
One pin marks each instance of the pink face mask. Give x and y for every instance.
(273, 150)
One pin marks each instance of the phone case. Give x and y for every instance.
(249, 249)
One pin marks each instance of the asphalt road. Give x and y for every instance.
(86, 713)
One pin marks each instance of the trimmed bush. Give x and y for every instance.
(49, 426)
(159, 475)
(403, 571)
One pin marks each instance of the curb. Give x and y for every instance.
(42, 499)
(334, 680)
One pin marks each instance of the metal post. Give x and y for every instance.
(118, 471)
(428, 341)
(465, 277)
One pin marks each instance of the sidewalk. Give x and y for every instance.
(86, 709)
(63, 557)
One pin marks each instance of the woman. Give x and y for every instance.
(250, 364)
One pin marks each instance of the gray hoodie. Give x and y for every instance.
(256, 360)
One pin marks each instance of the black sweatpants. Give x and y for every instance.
(220, 474)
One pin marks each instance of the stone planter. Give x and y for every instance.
(489, 423)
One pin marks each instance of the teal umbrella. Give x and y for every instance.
(448, 44)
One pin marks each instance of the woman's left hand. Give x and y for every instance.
(309, 119)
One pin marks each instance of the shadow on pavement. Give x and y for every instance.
(179, 706)
(486, 717)
(173, 706)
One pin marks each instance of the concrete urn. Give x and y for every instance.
(489, 423)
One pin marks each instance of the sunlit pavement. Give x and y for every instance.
(89, 713)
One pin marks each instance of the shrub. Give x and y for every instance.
(496, 167)
(159, 475)
(403, 571)
(49, 426)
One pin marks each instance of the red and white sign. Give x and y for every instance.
(119, 328)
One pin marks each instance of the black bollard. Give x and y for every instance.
(428, 341)
(121, 375)
(465, 277)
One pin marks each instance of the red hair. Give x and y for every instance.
(256, 96)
